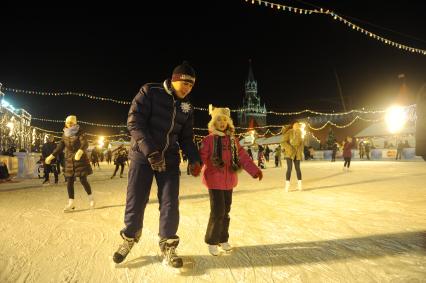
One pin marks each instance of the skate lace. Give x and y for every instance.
(171, 253)
(125, 247)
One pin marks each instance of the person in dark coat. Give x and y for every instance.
(109, 156)
(160, 122)
(277, 154)
(347, 153)
(120, 158)
(77, 163)
(334, 152)
(47, 150)
(367, 150)
(4, 172)
(261, 157)
(267, 153)
(95, 156)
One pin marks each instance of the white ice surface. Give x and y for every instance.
(368, 225)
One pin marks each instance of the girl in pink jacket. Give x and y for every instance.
(223, 158)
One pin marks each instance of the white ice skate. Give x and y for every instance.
(70, 206)
(214, 250)
(299, 185)
(91, 202)
(287, 186)
(226, 247)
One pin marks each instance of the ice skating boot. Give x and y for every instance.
(287, 186)
(225, 246)
(112, 177)
(299, 185)
(70, 206)
(214, 250)
(121, 175)
(91, 201)
(168, 251)
(123, 249)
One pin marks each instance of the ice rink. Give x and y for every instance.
(367, 225)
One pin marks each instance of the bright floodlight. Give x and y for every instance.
(101, 142)
(395, 118)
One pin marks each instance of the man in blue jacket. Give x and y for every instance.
(160, 121)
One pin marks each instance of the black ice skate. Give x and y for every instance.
(168, 252)
(123, 249)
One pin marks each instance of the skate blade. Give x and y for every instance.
(226, 251)
(69, 210)
(168, 267)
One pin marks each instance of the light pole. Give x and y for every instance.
(1, 118)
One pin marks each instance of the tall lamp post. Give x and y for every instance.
(1, 118)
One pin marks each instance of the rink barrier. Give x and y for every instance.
(27, 164)
(375, 154)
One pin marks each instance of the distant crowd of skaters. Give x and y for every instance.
(118, 156)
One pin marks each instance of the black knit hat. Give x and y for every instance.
(183, 72)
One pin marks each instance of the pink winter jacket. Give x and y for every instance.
(223, 178)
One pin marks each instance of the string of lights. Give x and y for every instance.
(305, 111)
(337, 17)
(68, 93)
(80, 122)
(342, 126)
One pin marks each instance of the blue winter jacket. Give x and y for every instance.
(159, 121)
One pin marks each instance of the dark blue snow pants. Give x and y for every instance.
(139, 186)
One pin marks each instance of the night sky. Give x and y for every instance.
(111, 51)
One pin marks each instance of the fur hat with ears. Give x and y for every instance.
(216, 112)
(71, 119)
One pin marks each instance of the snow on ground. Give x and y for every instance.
(367, 225)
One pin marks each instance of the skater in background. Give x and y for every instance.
(120, 158)
(94, 156)
(223, 158)
(160, 121)
(267, 152)
(109, 156)
(361, 149)
(334, 151)
(347, 153)
(4, 172)
(399, 149)
(261, 157)
(77, 162)
(367, 148)
(101, 155)
(293, 152)
(47, 150)
(277, 155)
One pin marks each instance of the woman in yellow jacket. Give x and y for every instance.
(293, 152)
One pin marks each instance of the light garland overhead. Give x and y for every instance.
(68, 93)
(88, 134)
(335, 16)
(80, 122)
(343, 126)
(305, 111)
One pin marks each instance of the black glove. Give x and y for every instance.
(157, 162)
